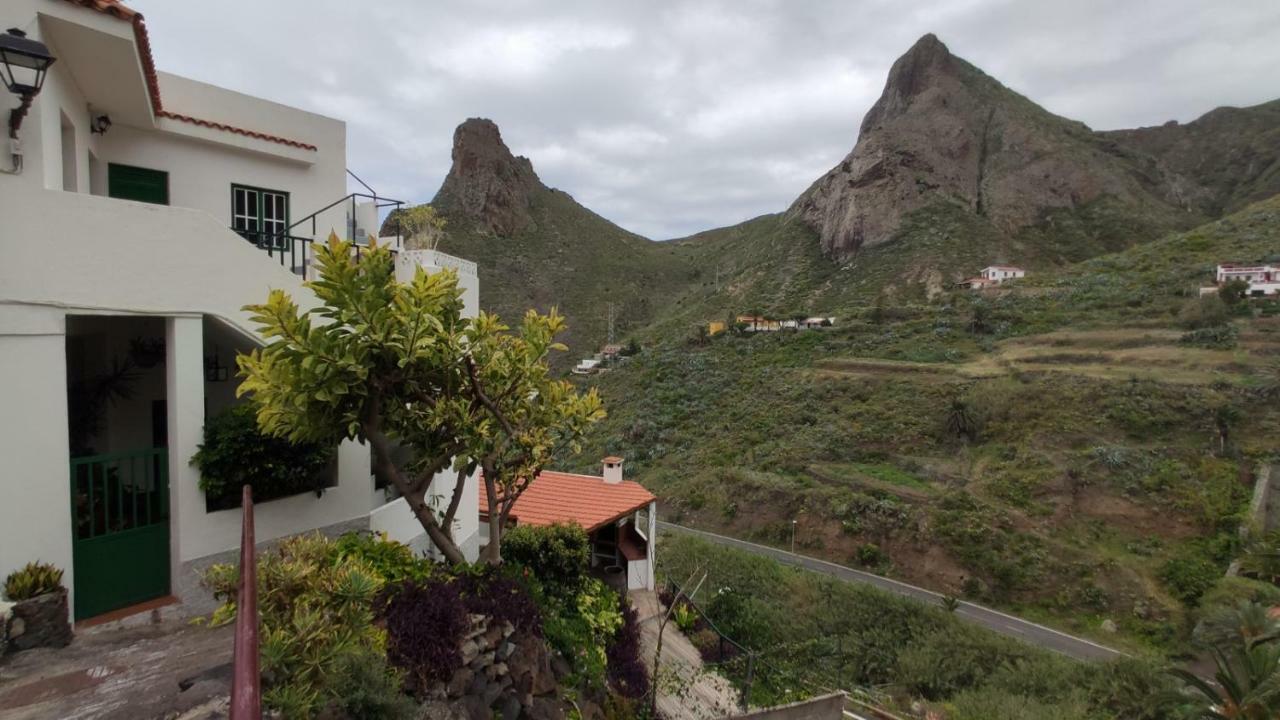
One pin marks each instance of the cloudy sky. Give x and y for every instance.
(674, 117)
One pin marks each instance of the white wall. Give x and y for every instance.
(35, 516)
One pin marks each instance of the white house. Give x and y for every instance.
(993, 275)
(1263, 279)
(140, 211)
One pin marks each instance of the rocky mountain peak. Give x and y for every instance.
(910, 75)
(487, 183)
(945, 132)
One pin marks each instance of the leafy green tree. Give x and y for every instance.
(1233, 292)
(387, 362)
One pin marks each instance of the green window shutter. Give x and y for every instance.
(134, 183)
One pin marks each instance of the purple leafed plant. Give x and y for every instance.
(425, 625)
(627, 674)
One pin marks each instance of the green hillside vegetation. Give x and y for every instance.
(1077, 447)
(572, 259)
(812, 634)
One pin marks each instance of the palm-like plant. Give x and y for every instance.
(1246, 684)
(961, 420)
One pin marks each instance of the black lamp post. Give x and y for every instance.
(23, 65)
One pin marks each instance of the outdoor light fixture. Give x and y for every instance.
(100, 124)
(23, 64)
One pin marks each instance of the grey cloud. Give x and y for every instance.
(674, 117)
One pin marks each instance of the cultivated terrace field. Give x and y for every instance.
(1079, 448)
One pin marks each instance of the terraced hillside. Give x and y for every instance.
(1069, 447)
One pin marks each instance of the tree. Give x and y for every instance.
(980, 320)
(1246, 684)
(961, 420)
(385, 362)
(422, 227)
(1233, 292)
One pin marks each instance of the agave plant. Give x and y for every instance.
(34, 579)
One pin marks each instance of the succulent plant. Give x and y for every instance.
(36, 578)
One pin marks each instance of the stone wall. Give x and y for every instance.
(504, 674)
(38, 622)
(826, 707)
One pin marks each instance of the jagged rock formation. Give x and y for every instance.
(944, 131)
(487, 183)
(1233, 153)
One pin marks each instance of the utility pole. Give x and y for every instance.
(611, 317)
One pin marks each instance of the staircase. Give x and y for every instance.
(292, 249)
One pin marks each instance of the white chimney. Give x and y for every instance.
(612, 469)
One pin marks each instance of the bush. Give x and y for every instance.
(487, 591)
(580, 626)
(1189, 577)
(35, 578)
(365, 689)
(1203, 312)
(314, 611)
(425, 622)
(627, 674)
(394, 562)
(1218, 337)
(558, 555)
(236, 453)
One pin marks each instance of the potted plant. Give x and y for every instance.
(38, 614)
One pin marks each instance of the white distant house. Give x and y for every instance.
(1263, 279)
(993, 275)
(586, 366)
(140, 212)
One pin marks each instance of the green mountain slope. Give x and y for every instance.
(1094, 480)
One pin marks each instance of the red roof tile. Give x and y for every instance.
(116, 9)
(568, 498)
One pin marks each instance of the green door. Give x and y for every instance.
(134, 183)
(120, 526)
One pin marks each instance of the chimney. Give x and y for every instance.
(612, 469)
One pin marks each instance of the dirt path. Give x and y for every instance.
(685, 690)
(126, 674)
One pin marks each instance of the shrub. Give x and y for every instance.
(1189, 577)
(869, 554)
(425, 622)
(1203, 312)
(580, 626)
(627, 673)
(558, 555)
(236, 453)
(1217, 337)
(314, 611)
(364, 688)
(487, 591)
(394, 562)
(35, 578)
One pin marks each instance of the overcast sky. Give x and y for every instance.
(674, 117)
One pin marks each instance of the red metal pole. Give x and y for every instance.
(246, 694)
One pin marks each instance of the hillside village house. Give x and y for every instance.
(143, 211)
(993, 275)
(1263, 279)
(620, 517)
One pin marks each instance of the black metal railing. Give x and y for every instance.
(292, 248)
(352, 228)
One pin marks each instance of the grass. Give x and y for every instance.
(1097, 433)
(810, 633)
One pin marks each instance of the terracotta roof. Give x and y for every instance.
(568, 498)
(612, 459)
(116, 9)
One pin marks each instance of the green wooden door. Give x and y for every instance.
(134, 183)
(120, 525)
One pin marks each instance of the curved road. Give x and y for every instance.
(994, 620)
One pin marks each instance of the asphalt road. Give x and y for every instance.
(994, 620)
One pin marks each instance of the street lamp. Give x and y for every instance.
(793, 535)
(23, 65)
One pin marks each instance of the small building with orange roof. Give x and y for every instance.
(620, 517)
